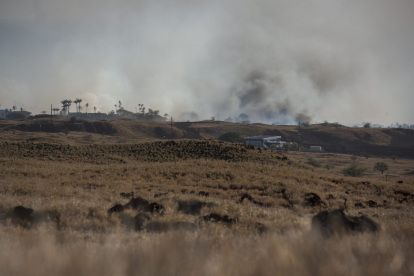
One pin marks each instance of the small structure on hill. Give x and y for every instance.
(265, 141)
(315, 148)
(9, 114)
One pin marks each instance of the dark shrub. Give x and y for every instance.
(313, 162)
(231, 137)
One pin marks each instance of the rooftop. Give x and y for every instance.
(263, 137)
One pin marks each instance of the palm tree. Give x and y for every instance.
(87, 105)
(80, 100)
(68, 103)
(64, 104)
(63, 110)
(166, 116)
(76, 101)
(14, 108)
(120, 104)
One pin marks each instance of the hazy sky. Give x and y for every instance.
(276, 60)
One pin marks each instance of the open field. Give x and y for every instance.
(80, 183)
(398, 168)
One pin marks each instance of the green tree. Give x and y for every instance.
(354, 170)
(367, 125)
(231, 137)
(381, 166)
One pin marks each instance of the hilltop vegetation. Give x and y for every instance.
(160, 151)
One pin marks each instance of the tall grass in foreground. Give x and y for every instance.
(37, 253)
(89, 242)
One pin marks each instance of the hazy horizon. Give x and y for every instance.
(276, 61)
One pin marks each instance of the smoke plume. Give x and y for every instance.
(276, 61)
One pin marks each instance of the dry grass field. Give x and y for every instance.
(398, 168)
(71, 188)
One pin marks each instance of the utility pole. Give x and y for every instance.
(51, 115)
(171, 129)
(299, 138)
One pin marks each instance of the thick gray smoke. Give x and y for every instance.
(274, 60)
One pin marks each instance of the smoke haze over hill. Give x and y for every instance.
(344, 61)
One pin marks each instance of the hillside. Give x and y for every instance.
(333, 138)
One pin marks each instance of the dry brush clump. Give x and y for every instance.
(164, 151)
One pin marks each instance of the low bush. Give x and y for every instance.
(231, 137)
(314, 163)
(354, 170)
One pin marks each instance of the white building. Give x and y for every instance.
(315, 148)
(265, 141)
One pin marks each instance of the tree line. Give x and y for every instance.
(141, 112)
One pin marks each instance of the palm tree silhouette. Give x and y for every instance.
(64, 105)
(69, 103)
(80, 100)
(87, 105)
(76, 101)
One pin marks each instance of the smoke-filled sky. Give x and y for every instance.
(343, 61)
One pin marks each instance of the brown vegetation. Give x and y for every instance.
(78, 184)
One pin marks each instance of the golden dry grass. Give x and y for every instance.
(90, 242)
(399, 168)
